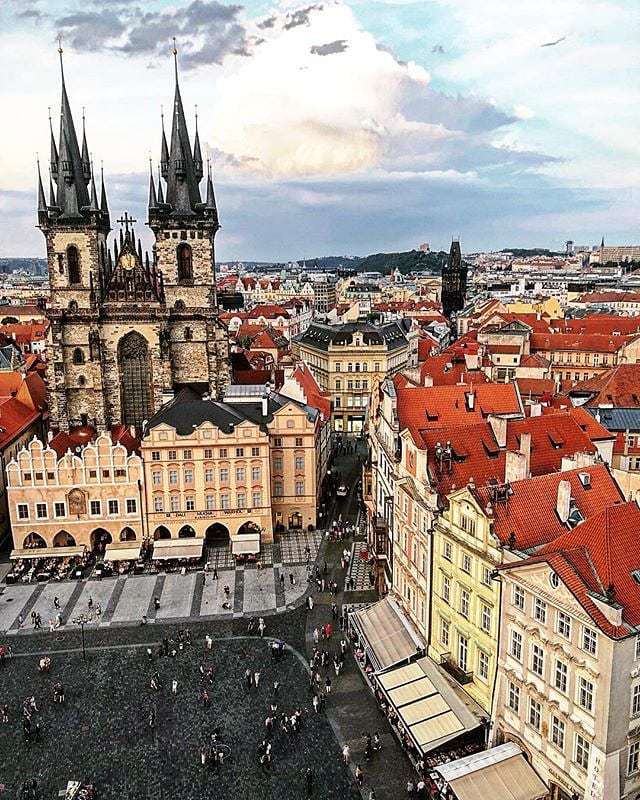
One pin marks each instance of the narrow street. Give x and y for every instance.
(352, 710)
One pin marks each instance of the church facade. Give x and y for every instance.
(129, 331)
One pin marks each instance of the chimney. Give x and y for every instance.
(585, 479)
(563, 503)
(265, 405)
(535, 410)
(470, 398)
(499, 428)
(515, 467)
(49, 436)
(525, 449)
(427, 380)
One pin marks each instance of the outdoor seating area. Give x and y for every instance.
(44, 564)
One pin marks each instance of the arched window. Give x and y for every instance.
(185, 266)
(78, 356)
(73, 262)
(82, 380)
(188, 334)
(73, 306)
(135, 379)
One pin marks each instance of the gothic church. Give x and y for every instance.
(128, 331)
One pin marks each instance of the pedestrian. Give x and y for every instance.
(309, 781)
(174, 687)
(90, 602)
(156, 603)
(346, 753)
(215, 573)
(256, 678)
(209, 641)
(98, 609)
(359, 775)
(152, 717)
(410, 788)
(248, 679)
(261, 627)
(282, 580)
(56, 603)
(292, 580)
(372, 794)
(276, 686)
(206, 699)
(327, 685)
(4, 713)
(316, 703)
(310, 603)
(316, 635)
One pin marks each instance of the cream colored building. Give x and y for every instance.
(219, 471)
(349, 360)
(90, 496)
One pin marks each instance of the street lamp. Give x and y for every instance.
(82, 620)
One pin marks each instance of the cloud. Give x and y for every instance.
(437, 48)
(339, 46)
(207, 31)
(301, 16)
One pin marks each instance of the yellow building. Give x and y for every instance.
(349, 360)
(465, 600)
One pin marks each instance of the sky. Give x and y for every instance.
(342, 128)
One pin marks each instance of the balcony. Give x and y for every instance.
(452, 668)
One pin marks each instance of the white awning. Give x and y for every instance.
(501, 773)
(47, 552)
(246, 543)
(165, 549)
(427, 704)
(123, 551)
(387, 636)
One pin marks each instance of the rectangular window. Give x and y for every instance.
(465, 599)
(240, 475)
(589, 640)
(468, 524)
(23, 511)
(95, 508)
(256, 499)
(208, 475)
(540, 610)
(41, 510)
(444, 632)
(486, 576)
(173, 455)
(447, 550)
(637, 653)
(463, 652)
(518, 597)
(158, 503)
(190, 503)
(188, 475)
(557, 732)
(516, 645)
(175, 502)
(255, 474)
(255, 452)
(241, 500)
(537, 660)
(278, 489)
(561, 676)
(277, 442)
(634, 758)
(514, 697)
(581, 751)
(156, 478)
(59, 510)
(564, 625)
(223, 452)
(299, 488)
(446, 589)
(208, 453)
(187, 455)
(466, 563)
(535, 713)
(483, 666)
(635, 700)
(299, 463)
(485, 619)
(210, 502)
(113, 506)
(155, 455)
(224, 475)
(173, 477)
(277, 464)
(585, 694)
(239, 452)
(298, 441)
(224, 501)
(132, 505)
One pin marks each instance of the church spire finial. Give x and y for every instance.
(175, 58)
(60, 52)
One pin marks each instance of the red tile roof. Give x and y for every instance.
(535, 387)
(79, 437)
(590, 342)
(15, 418)
(586, 422)
(258, 377)
(530, 509)
(610, 297)
(448, 370)
(316, 398)
(618, 387)
(426, 346)
(597, 557)
(604, 324)
(268, 311)
(25, 333)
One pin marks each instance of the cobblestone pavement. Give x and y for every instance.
(123, 601)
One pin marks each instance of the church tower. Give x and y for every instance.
(185, 225)
(454, 281)
(127, 331)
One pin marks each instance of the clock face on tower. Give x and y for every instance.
(127, 260)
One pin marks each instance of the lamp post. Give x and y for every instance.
(82, 620)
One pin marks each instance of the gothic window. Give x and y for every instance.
(82, 380)
(60, 264)
(179, 305)
(135, 379)
(73, 306)
(185, 265)
(73, 262)
(78, 356)
(188, 334)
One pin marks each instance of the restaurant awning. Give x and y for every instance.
(47, 552)
(427, 705)
(386, 635)
(164, 549)
(123, 551)
(246, 543)
(501, 773)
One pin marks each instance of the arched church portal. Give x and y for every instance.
(135, 379)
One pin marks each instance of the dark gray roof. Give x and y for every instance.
(321, 336)
(189, 409)
(617, 419)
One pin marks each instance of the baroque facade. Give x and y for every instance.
(127, 331)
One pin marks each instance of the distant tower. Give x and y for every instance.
(454, 281)
(569, 247)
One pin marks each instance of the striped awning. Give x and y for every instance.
(386, 635)
(165, 549)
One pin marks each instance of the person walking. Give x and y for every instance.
(359, 775)
(174, 687)
(215, 573)
(309, 781)
(346, 754)
(256, 678)
(56, 602)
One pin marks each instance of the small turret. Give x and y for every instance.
(153, 200)
(86, 162)
(164, 152)
(197, 153)
(43, 214)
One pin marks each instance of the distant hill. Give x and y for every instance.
(409, 261)
(529, 252)
(36, 266)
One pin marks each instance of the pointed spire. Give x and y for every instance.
(164, 150)
(86, 164)
(122, 238)
(53, 158)
(52, 194)
(140, 250)
(211, 198)
(72, 184)
(197, 152)
(160, 191)
(42, 203)
(153, 200)
(104, 206)
(93, 205)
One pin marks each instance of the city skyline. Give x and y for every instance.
(341, 128)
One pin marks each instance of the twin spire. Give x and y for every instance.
(72, 191)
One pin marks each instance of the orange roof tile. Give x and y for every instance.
(618, 387)
(590, 342)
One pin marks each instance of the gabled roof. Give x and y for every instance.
(590, 342)
(529, 511)
(15, 417)
(450, 370)
(598, 560)
(618, 387)
(314, 395)
(604, 324)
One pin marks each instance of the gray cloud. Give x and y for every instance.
(206, 30)
(328, 49)
(437, 48)
(300, 16)
(269, 22)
